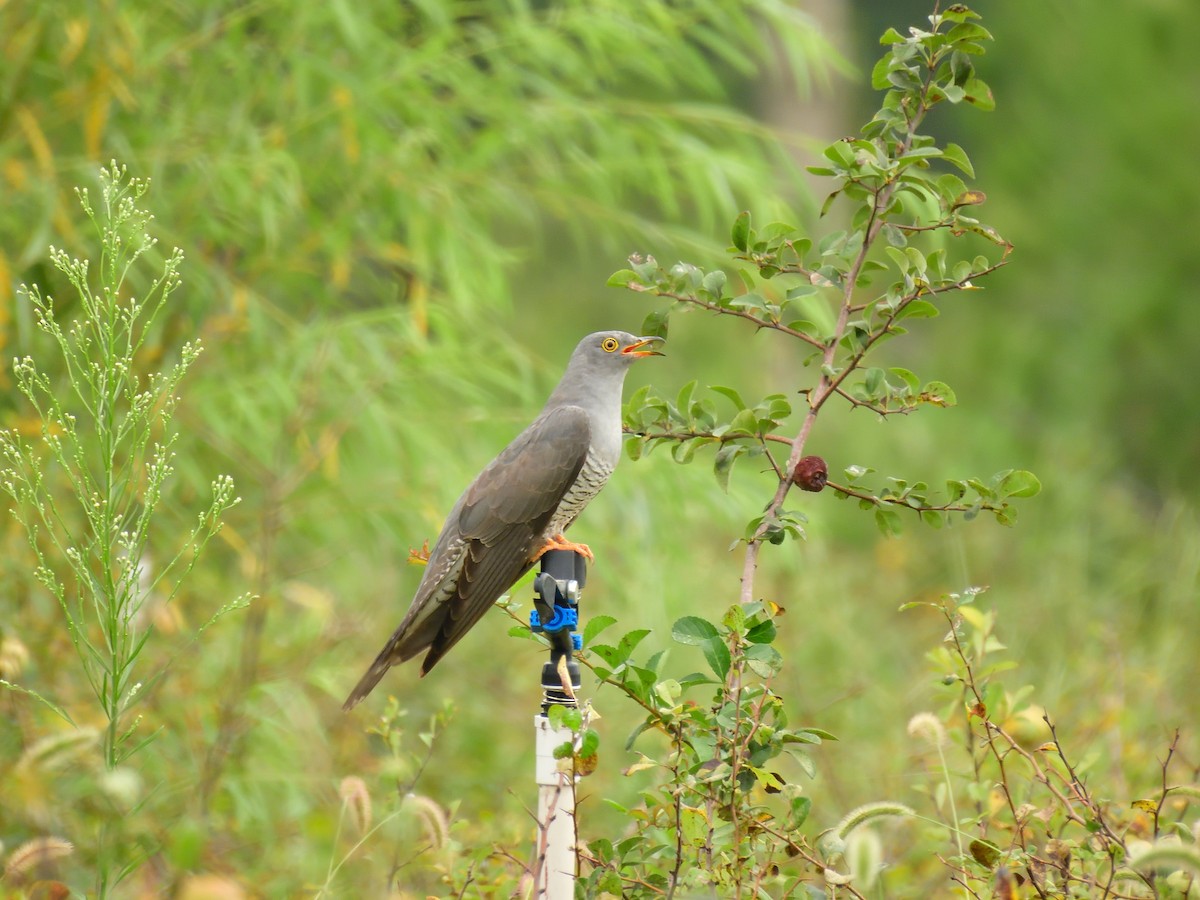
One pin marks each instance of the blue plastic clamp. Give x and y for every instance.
(564, 619)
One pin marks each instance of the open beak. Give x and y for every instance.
(637, 348)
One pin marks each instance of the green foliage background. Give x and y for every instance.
(398, 218)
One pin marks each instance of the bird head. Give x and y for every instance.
(598, 366)
(618, 348)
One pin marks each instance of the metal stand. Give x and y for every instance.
(556, 614)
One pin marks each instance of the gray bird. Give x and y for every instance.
(519, 506)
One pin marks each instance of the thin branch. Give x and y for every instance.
(693, 300)
(906, 503)
(669, 435)
(875, 408)
(1166, 763)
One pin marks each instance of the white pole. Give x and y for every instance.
(554, 870)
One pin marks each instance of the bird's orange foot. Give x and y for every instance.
(558, 542)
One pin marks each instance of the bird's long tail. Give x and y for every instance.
(367, 683)
(401, 647)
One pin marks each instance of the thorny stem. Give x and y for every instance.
(980, 708)
(678, 809)
(1166, 763)
(1080, 790)
(826, 385)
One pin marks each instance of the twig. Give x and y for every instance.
(693, 300)
(1165, 789)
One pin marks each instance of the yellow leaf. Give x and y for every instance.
(344, 101)
(37, 140)
(339, 271)
(418, 300)
(76, 31)
(96, 117)
(16, 173)
(5, 305)
(975, 617)
(970, 198)
(646, 762)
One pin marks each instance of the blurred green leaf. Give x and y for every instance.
(622, 278)
(741, 232)
(1020, 483)
(888, 521)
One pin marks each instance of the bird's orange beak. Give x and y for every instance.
(637, 348)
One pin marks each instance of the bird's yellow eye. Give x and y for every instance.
(608, 345)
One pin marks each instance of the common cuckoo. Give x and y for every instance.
(519, 506)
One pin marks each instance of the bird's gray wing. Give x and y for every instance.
(487, 541)
(504, 516)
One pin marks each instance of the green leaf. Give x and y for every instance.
(723, 464)
(873, 381)
(955, 154)
(959, 12)
(979, 95)
(968, 31)
(798, 811)
(888, 521)
(740, 234)
(745, 422)
(631, 640)
(938, 393)
(590, 743)
(879, 74)
(622, 278)
(729, 393)
(683, 400)
(714, 282)
(891, 36)
(923, 153)
(917, 309)
(718, 658)
(694, 825)
(825, 207)
(913, 383)
(656, 323)
(694, 630)
(565, 717)
(762, 633)
(764, 660)
(776, 232)
(839, 152)
(895, 236)
(749, 300)
(594, 626)
(812, 735)
(700, 632)
(1020, 483)
(684, 451)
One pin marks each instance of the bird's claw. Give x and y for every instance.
(558, 542)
